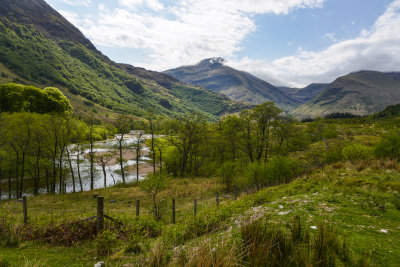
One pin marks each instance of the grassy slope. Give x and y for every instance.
(359, 93)
(88, 75)
(347, 196)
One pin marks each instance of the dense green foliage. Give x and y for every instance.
(18, 98)
(342, 182)
(390, 111)
(85, 72)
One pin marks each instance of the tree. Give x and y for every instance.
(187, 140)
(122, 125)
(138, 148)
(150, 118)
(103, 159)
(19, 137)
(152, 185)
(284, 129)
(263, 116)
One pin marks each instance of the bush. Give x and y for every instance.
(4, 263)
(255, 173)
(357, 152)
(333, 155)
(396, 201)
(8, 238)
(171, 160)
(389, 147)
(330, 132)
(105, 243)
(282, 170)
(228, 172)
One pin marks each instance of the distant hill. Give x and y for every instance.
(359, 93)
(38, 46)
(213, 74)
(305, 94)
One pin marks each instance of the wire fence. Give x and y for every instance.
(177, 209)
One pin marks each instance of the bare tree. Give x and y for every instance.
(122, 124)
(138, 147)
(104, 159)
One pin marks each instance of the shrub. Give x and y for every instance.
(4, 263)
(389, 147)
(333, 155)
(357, 152)
(330, 132)
(228, 172)
(255, 173)
(282, 170)
(171, 157)
(8, 238)
(105, 243)
(396, 201)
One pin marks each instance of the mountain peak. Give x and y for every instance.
(210, 63)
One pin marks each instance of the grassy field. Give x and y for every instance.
(357, 200)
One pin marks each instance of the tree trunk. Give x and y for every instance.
(91, 164)
(79, 171)
(37, 178)
(72, 171)
(121, 159)
(53, 184)
(17, 174)
(153, 150)
(61, 171)
(21, 187)
(47, 180)
(160, 160)
(137, 163)
(103, 165)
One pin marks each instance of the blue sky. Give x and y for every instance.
(286, 42)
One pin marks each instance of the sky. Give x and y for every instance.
(285, 42)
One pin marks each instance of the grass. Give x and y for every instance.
(357, 200)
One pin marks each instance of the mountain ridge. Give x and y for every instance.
(360, 93)
(39, 46)
(213, 74)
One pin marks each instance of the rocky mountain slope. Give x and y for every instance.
(213, 74)
(359, 93)
(38, 46)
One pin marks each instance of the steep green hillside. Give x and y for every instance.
(360, 93)
(37, 45)
(237, 85)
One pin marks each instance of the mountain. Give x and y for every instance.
(38, 46)
(305, 94)
(213, 74)
(359, 93)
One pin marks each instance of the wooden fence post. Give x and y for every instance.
(100, 214)
(217, 199)
(195, 206)
(25, 209)
(137, 207)
(173, 211)
(235, 193)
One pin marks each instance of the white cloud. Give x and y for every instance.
(134, 4)
(78, 2)
(70, 16)
(186, 31)
(374, 49)
(331, 36)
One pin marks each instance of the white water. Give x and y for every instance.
(112, 171)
